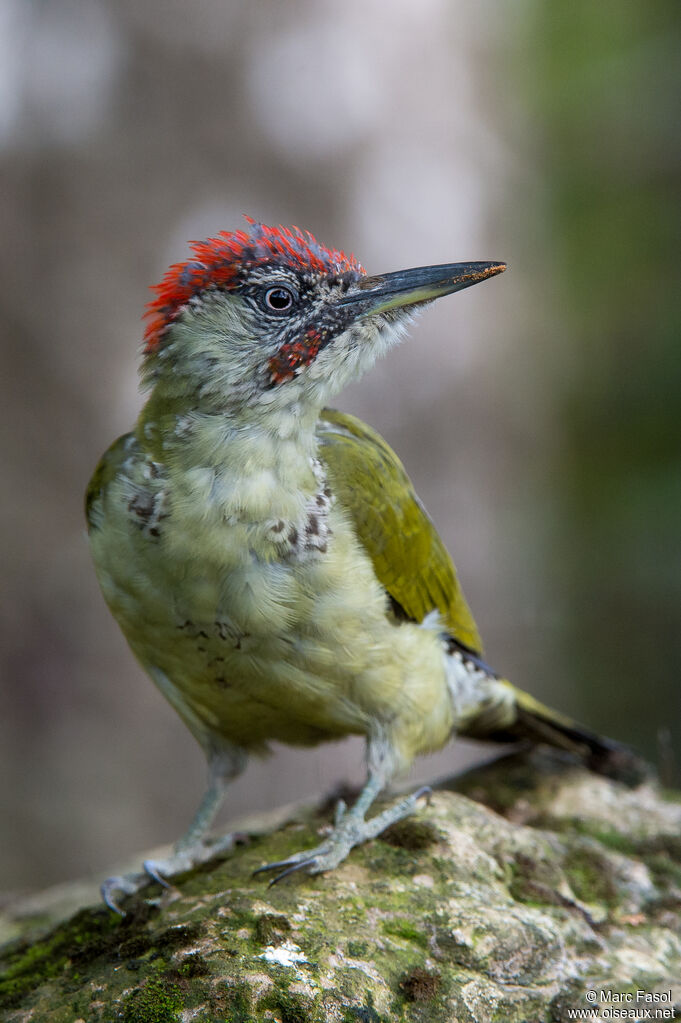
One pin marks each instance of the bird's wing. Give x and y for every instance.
(392, 525)
(107, 468)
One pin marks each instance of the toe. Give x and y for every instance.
(305, 865)
(292, 861)
(341, 811)
(154, 869)
(116, 887)
(307, 859)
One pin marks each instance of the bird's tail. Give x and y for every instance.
(540, 724)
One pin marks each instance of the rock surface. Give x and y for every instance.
(520, 887)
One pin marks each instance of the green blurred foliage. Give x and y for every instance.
(605, 80)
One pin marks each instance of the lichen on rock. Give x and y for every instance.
(520, 886)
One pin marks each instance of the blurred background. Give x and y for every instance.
(539, 415)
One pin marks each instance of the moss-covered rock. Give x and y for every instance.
(503, 904)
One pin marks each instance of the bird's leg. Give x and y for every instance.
(350, 829)
(192, 849)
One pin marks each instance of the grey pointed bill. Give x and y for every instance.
(381, 292)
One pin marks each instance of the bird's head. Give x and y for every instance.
(267, 317)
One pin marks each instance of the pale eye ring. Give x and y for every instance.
(279, 299)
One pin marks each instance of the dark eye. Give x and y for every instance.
(279, 299)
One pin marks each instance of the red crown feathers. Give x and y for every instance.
(217, 262)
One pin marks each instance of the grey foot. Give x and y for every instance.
(183, 859)
(350, 829)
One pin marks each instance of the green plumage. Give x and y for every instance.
(375, 495)
(370, 483)
(105, 472)
(268, 559)
(409, 558)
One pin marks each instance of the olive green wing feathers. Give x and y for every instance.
(107, 469)
(392, 525)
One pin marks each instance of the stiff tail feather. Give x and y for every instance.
(540, 724)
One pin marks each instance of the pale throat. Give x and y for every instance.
(257, 469)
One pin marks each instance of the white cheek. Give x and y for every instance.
(352, 354)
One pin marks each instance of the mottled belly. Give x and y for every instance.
(254, 647)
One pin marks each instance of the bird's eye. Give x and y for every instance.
(279, 299)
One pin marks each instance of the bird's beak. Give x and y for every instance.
(382, 292)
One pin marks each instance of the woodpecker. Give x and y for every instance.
(267, 558)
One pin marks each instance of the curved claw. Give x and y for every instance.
(292, 869)
(154, 873)
(296, 863)
(426, 791)
(270, 866)
(112, 885)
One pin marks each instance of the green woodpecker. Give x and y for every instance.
(267, 557)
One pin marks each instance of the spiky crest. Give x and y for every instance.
(218, 261)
